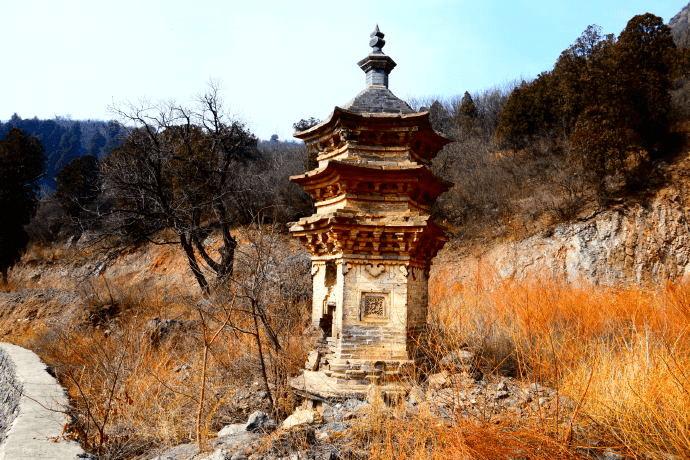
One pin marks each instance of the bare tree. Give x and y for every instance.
(272, 291)
(267, 299)
(177, 169)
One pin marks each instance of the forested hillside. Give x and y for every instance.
(588, 133)
(680, 27)
(64, 140)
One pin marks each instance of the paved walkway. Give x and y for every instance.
(36, 431)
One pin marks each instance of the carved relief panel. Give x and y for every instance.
(374, 306)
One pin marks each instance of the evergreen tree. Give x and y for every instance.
(466, 116)
(531, 112)
(644, 61)
(610, 99)
(78, 186)
(22, 164)
(467, 106)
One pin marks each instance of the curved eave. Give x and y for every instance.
(328, 234)
(336, 168)
(346, 217)
(326, 128)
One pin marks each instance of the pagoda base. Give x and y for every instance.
(341, 379)
(320, 387)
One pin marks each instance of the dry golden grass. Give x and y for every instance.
(385, 433)
(126, 393)
(134, 385)
(622, 355)
(132, 389)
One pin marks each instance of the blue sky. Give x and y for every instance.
(279, 61)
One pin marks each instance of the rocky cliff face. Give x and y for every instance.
(641, 241)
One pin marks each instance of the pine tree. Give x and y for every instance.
(22, 164)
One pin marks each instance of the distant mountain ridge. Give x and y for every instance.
(680, 27)
(65, 139)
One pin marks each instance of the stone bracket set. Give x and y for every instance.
(375, 269)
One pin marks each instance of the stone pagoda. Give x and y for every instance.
(371, 239)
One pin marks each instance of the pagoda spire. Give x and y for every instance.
(377, 66)
(377, 40)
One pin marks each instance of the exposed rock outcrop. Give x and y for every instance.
(637, 242)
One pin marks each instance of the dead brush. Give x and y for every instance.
(41, 251)
(385, 433)
(130, 393)
(284, 443)
(462, 316)
(136, 384)
(126, 395)
(620, 355)
(10, 285)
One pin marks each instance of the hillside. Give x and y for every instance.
(131, 323)
(642, 240)
(680, 27)
(65, 139)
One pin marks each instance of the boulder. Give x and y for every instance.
(258, 422)
(301, 416)
(312, 363)
(437, 381)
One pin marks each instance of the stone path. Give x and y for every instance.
(36, 432)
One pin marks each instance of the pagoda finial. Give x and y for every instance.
(377, 41)
(377, 65)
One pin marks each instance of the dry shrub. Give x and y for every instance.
(146, 368)
(135, 386)
(621, 354)
(127, 393)
(393, 433)
(462, 315)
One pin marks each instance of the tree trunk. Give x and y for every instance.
(193, 264)
(227, 254)
(264, 374)
(201, 433)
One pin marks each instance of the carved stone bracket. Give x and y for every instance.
(314, 269)
(347, 267)
(375, 271)
(404, 270)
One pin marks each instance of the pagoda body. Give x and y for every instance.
(371, 239)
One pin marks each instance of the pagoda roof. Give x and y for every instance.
(369, 121)
(377, 99)
(366, 172)
(345, 232)
(351, 217)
